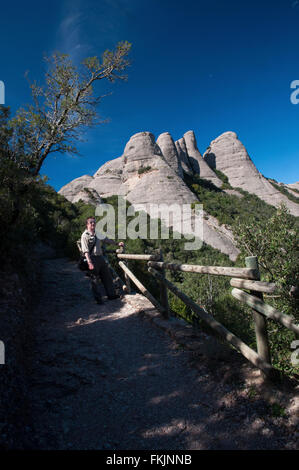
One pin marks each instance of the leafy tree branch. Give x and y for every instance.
(64, 107)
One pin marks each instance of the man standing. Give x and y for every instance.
(92, 248)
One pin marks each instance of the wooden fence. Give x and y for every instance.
(241, 278)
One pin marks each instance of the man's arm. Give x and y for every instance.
(85, 250)
(87, 256)
(112, 242)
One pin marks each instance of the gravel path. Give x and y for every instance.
(105, 377)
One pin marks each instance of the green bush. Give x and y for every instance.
(227, 207)
(144, 169)
(284, 191)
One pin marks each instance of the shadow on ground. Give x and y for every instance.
(102, 377)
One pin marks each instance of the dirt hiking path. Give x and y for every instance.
(106, 377)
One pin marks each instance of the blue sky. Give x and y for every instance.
(210, 66)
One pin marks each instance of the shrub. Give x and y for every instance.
(144, 169)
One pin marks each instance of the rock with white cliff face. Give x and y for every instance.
(141, 154)
(147, 174)
(143, 176)
(183, 156)
(293, 186)
(107, 180)
(89, 196)
(169, 152)
(147, 177)
(219, 237)
(228, 154)
(71, 190)
(198, 164)
(113, 167)
(149, 180)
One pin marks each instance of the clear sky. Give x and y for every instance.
(206, 65)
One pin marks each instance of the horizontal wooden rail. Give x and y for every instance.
(141, 287)
(138, 257)
(247, 352)
(258, 286)
(265, 309)
(245, 273)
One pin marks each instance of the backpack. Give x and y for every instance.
(82, 263)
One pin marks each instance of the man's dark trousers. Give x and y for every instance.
(101, 270)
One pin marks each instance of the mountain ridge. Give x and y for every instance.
(153, 172)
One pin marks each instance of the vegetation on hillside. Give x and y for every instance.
(50, 218)
(279, 234)
(284, 191)
(275, 241)
(228, 207)
(32, 212)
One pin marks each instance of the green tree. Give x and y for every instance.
(64, 107)
(275, 242)
(61, 110)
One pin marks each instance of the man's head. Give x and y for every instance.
(91, 224)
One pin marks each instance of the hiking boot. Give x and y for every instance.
(112, 297)
(98, 299)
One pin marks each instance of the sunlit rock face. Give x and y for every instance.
(228, 154)
(292, 188)
(107, 180)
(151, 172)
(169, 151)
(183, 156)
(198, 164)
(148, 177)
(72, 190)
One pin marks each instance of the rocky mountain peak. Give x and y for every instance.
(152, 172)
(74, 191)
(197, 162)
(183, 156)
(227, 154)
(141, 145)
(108, 179)
(170, 153)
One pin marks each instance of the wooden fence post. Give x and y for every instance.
(127, 279)
(260, 321)
(141, 287)
(247, 352)
(163, 290)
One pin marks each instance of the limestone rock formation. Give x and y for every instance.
(108, 179)
(169, 152)
(228, 154)
(151, 172)
(293, 188)
(183, 156)
(148, 179)
(147, 176)
(75, 188)
(141, 155)
(199, 165)
(89, 196)
(293, 185)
